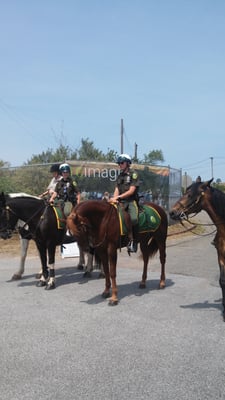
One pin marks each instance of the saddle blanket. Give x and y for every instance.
(60, 217)
(149, 220)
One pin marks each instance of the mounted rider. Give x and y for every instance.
(66, 190)
(126, 192)
(56, 177)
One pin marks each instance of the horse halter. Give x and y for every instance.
(186, 210)
(6, 231)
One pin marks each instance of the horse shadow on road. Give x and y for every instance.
(64, 276)
(71, 275)
(217, 305)
(132, 289)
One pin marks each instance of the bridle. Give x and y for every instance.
(8, 228)
(187, 209)
(87, 228)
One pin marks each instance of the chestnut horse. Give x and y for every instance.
(96, 224)
(202, 196)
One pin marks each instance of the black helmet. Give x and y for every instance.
(54, 168)
(124, 157)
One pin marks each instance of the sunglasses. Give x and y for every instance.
(122, 162)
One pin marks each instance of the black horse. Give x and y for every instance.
(202, 196)
(46, 227)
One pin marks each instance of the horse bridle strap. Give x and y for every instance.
(191, 205)
(88, 226)
(26, 223)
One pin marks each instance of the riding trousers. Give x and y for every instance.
(132, 209)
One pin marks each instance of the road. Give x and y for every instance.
(156, 344)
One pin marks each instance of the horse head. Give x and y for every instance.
(5, 229)
(192, 202)
(79, 226)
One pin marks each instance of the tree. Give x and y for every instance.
(4, 164)
(153, 157)
(60, 154)
(87, 151)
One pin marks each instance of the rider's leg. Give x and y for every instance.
(133, 211)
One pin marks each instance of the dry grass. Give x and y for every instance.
(11, 247)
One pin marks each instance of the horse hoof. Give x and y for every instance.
(113, 302)
(50, 286)
(41, 284)
(142, 286)
(87, 274)
(16, 277)
(80, 267)
(105, 295)
(162, 285)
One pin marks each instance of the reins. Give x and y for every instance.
(8, 209)
(108, 215)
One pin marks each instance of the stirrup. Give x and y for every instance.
(132, 247)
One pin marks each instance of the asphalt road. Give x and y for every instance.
(156, 344)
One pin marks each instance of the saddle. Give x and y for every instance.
(148, 219)
(60, 217)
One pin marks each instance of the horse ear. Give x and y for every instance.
(2, 196)
(208, 183)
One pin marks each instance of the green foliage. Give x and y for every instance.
(61, 154)
(219, 186)
(87, 151)
(153, 157)
(34, 176)
(4, 164)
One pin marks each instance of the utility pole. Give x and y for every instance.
(135, 151)
(211, 158)
(121, 137)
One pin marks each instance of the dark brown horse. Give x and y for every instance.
(96, 224)
(202, 196)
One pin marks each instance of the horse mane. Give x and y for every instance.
(218, 201)
(16, 195)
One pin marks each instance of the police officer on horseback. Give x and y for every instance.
(66, 190)
(126, 192)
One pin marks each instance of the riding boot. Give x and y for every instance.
(133, 244)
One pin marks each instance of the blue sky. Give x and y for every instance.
(73, 69)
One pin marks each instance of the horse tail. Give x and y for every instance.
(152, 247)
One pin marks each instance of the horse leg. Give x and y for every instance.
(112, 262)
(145, 250)
(162, 257)
(105, 264)
(43, 256)
(89, 265)
(51, 261)
(222, 282)
(98, 265)
(81, 262)
(24, 243)
(145, 256)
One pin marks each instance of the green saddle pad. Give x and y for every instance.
(60, 217)
(149, 219)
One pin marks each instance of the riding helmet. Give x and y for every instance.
(54, 168)
(64, 168)
(124, 158)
